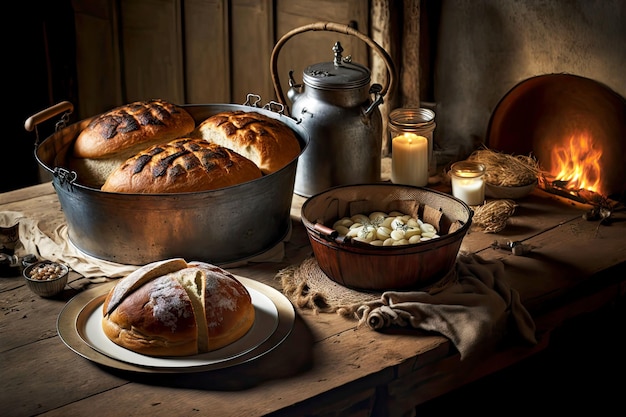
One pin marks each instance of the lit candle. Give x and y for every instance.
(468, 183)
(409, 160)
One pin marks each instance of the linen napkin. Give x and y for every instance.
(53, 244)
(475, 311)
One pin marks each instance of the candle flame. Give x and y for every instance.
(409, 137)
(577, 163)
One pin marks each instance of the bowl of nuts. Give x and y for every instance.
(46, 278)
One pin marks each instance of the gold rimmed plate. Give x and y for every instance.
(79, 326)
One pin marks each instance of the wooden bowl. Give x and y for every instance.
(362, 266)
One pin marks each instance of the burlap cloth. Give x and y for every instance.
(472, 305)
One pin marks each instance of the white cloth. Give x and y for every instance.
(57, 247)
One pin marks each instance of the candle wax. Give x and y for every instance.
(470, 190)
(409, 160)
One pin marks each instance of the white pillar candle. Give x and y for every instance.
(468, 183)
(409, 160)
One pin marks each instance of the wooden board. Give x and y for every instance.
(327, 364)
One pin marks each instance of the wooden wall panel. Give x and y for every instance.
(252, 35)
(98, 68)
(204, 51)
(385, 31)
(410, 72)
(152, 47)
(207, 60)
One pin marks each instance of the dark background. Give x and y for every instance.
(40, 61)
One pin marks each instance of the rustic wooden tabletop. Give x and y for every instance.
(326, 366)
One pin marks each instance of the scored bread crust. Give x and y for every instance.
(139, 277)
(268, 142)
(196, 309)
(183, 165)
(114, 136)
(123, 128)
(156, 319)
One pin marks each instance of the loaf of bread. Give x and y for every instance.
(177, 308)
(268, 142)
(182, 165)
(114, 136)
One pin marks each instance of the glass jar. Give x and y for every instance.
(415, 120)
(468, 182)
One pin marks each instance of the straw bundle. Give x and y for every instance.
(506, 170)
(492, 216)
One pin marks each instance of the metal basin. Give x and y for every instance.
(218, 226)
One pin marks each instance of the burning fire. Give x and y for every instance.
(576, 164)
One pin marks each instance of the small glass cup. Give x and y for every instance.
(468, 182)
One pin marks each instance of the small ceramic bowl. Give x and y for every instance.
(513, 193)
(46, 278)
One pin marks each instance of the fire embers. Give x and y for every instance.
(575, 170)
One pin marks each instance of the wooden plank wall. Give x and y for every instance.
(98, 58)
(207, 56)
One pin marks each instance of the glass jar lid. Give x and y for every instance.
(410, 119)
(467, 169)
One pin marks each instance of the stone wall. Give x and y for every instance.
(486, 47)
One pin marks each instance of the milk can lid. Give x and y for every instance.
(337, 75)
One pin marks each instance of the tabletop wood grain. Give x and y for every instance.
(326, 366)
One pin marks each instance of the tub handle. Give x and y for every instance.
(63, 107)
(65, 176)
(253, 100)
(42, 116)
(331, 235)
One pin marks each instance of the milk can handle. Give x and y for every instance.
(332, 27)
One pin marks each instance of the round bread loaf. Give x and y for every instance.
(175, 308)
(182, 165)
(114, 136)
(267, 142)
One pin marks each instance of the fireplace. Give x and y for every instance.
(574, 126)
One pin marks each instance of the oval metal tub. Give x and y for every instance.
(218, 226)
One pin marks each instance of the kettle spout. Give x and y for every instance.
(294, 89)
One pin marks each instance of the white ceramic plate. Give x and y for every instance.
(79, 326)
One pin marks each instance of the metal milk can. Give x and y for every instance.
(338, 107)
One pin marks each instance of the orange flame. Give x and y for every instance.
(577, 163)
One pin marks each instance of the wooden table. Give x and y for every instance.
(326, 366)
